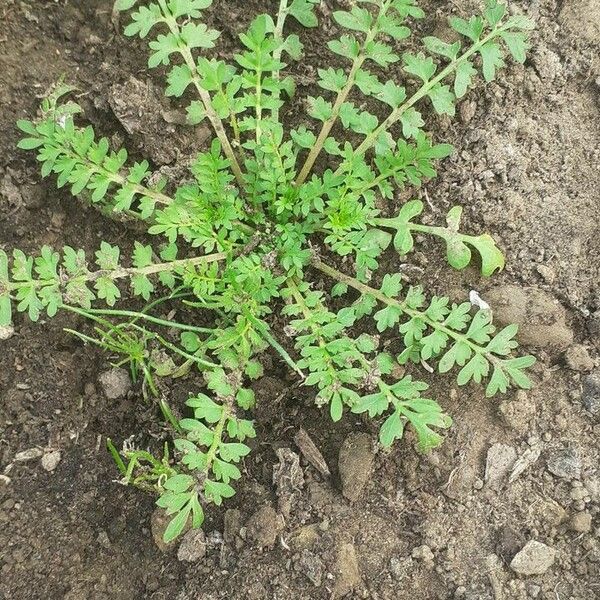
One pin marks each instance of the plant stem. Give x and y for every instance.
(397, 113)
(411, 312)
(341, 97)
(138, 316)
(212, 115)
(263, 329)
(282, 14)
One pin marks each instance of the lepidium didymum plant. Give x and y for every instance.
(267, 210)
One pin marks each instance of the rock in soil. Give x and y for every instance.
(540, 317)
(347, 571)
(518, 412)
(192, 547)
(581, 522)
(263, 527)
(115, 383)
(28, 455)
(500, 460)
(590, 397)
(565, 464)
(50, 460)
(534, 558)
(578, 358)
(310, 565)
(355, 463)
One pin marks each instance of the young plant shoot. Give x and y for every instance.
(268, 211)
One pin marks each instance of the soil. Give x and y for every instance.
(515, 470)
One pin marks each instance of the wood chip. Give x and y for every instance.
(311, 452)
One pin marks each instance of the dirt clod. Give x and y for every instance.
(565, 464)
(115, 383)
(347, 571)
(500, 460)
(535, 558)
(50, 460)
(590, 396)
(263, 527)
(192, 547)
(355, 463)
(581, 522)
(540, 317)
(578, 358)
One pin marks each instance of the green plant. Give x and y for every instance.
(257, 222)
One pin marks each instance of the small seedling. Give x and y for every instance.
(267, 211)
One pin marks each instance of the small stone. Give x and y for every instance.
(590, 396)
(28, 455)
(347, 571)
(534, 558)
(565, 464)
(581, 522)
(424, 554)
(50, 460)
(311, 566)
(355, 464)
(467, 110)
(578, 358)
(548, 274)
(534, 590)
(192, 547)
(6, 332)
(304, 538)
(541, 318)
(478, 484)
(500, 460)
(263, 527)
(115, 383)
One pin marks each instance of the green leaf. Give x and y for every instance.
(437, 46)
(332, 79)
(359, 19)
(411, 123)
(177, 525)
(336, 408)
(245, 398)
(494, 12)
(492, 259)
(347, 46)
(179, 78)
(124, 4)
(5, 303)
(381, 54)
(320, 109)
(473, 28)
(392, 94)
(144, 20)
(178, 483)
(517, 44)
(195, 113)
(442, 99)
(463, 77)
(198, 35)
(491, 54)
(391, 430)
(458, 354)
(391, 285)
(215, 491)
(304, 12)
(477, 368)
(205, 408)
(419, 65)
(387, 317)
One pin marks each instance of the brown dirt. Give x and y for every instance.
(526, 170)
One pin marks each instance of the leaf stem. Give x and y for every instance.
(341, 97)
(411, 312)
(397, 113)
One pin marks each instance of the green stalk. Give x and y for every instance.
(212, 115)
(397, 113)
(282, 14)
(341, 98)
(411, 312)
(123, 272)
(138, 316)
(266, 335)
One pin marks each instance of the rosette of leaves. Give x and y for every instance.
(245, 236)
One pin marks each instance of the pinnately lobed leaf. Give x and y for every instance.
(243, 234)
